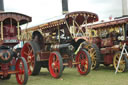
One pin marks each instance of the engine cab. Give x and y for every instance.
(10, 30)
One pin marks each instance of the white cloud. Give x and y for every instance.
(104, 8)
(40, 10)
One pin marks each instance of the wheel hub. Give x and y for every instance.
(82, 62)
(29, 59)
(53, 64)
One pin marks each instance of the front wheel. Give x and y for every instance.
(123, 66)
(55, 64)
(84, 61)
(21, 67)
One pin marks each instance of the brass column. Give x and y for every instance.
(1, 30)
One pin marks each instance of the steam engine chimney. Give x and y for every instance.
(1, 6)
(64, 6)
(124, 7)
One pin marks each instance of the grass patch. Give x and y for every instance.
(70, 76)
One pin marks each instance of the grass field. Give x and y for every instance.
(103, 76)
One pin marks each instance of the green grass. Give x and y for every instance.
(102, 76)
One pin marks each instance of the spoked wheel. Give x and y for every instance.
(29, 53)
(55, 64)
(94, 52)
(21, 67)
(84, 61)
(123, 66)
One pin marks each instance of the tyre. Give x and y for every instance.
(22, 71)
(84, 60)
(123, 66)
(29, 52)
(55, 64)
(94, 52)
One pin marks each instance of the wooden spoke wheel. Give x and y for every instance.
(21, 67)
(55, 64)
(94, 52)
(123, 66)
(84, 59)
(29, 53)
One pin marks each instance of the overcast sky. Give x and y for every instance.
(41, 10)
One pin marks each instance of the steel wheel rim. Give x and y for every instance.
(92, 53)
(20, 76)
(54, 65)
(122, 62)
(28, 54)
(83, 66)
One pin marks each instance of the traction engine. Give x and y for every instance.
(10, 60)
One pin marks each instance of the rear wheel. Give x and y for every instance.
(123, 66)
(21, 67)
(84, 59)
(55, 64)
(29, 52)
(94, 53)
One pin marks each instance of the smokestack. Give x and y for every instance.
(1, 6)
(124, 7)
(64, 6)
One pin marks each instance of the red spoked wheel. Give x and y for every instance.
(21, 67)
(84, 61)
(55, 64)
(29, 53)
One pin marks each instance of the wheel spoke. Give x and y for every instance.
(21, 77)
(29, 48)
(56, 63)
(30, 52)
(122, 63)
(26, 53)
(93, 55)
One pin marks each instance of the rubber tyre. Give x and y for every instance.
(95, 65)
(56, 65)
(21, 71)
(115, 61)
(85, 62)
(35, 48)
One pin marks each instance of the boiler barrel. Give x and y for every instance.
(61, 47)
